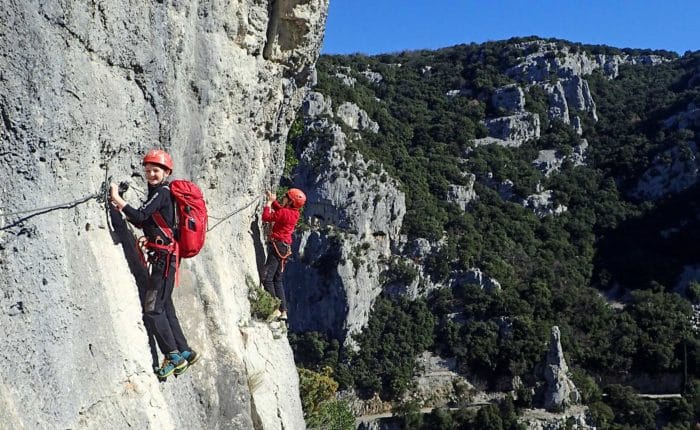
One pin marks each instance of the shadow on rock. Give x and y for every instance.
(122, 234)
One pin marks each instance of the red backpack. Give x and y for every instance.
(191, 218)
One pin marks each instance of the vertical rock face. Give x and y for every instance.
(671, 172)
(356, 118)
(510, 98)
(569, 94)
(355, 211)
(462, 195)
(561, 391)
(560, 72)
(677, 168)
(85, 90)
(515, 129)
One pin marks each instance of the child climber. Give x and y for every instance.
(159, 311)
(285, 217)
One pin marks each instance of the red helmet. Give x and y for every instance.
(297, 197)
(160, 157)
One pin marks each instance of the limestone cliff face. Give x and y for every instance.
(561, 391)
(355, 211)
(561, 73)
(675, 169)
(85, 90)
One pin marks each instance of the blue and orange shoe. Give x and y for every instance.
(173, 362)
(191, 356)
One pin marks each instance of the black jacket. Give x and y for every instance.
(159, 200)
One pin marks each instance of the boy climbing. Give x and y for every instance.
(285, 217)
(157, 218)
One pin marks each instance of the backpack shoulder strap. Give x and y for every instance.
(176, 218)
(160, 222)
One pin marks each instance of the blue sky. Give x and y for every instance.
(382, 26)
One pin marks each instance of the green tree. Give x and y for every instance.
(488, 418)
(602, 415)
(333, 414)
(438, 419)
(395, 334)
(629, 409)
(664, 322)
(409, 414)
(549, 267)
(315, 389)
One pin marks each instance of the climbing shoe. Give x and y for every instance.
(283, 316)
(191, 356)
(172, 362)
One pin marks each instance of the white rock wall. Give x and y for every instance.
(354, 211)
(89, 86)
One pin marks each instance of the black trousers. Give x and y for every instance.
(159, 310)
(272, 276)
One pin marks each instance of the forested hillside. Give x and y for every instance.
(587, 221)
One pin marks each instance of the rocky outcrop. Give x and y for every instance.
(437, 382)
(503, 188)
(549, 161)
(343, 74)
(558, 106)
(511, 130)
(373, 77)
(356, 118)
(546, 58)
(560, 72)
(543, 204)
(561, 391)
(474, 276)
(569, 94)
(462, 195)
(359, 407)
(578, 155)
(689, 118)
(576, 417)
(510, 98)
(578, 96)
(85, 90)
(354, 210)
(671, 172)
(316, 105)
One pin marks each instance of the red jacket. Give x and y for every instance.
(285, 219)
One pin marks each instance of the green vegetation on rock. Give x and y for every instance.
(553, 269)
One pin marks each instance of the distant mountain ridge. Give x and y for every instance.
(518, 160)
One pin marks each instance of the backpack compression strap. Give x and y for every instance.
(171, 248)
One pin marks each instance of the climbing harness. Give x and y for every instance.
(170, 249)
(283, 258)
